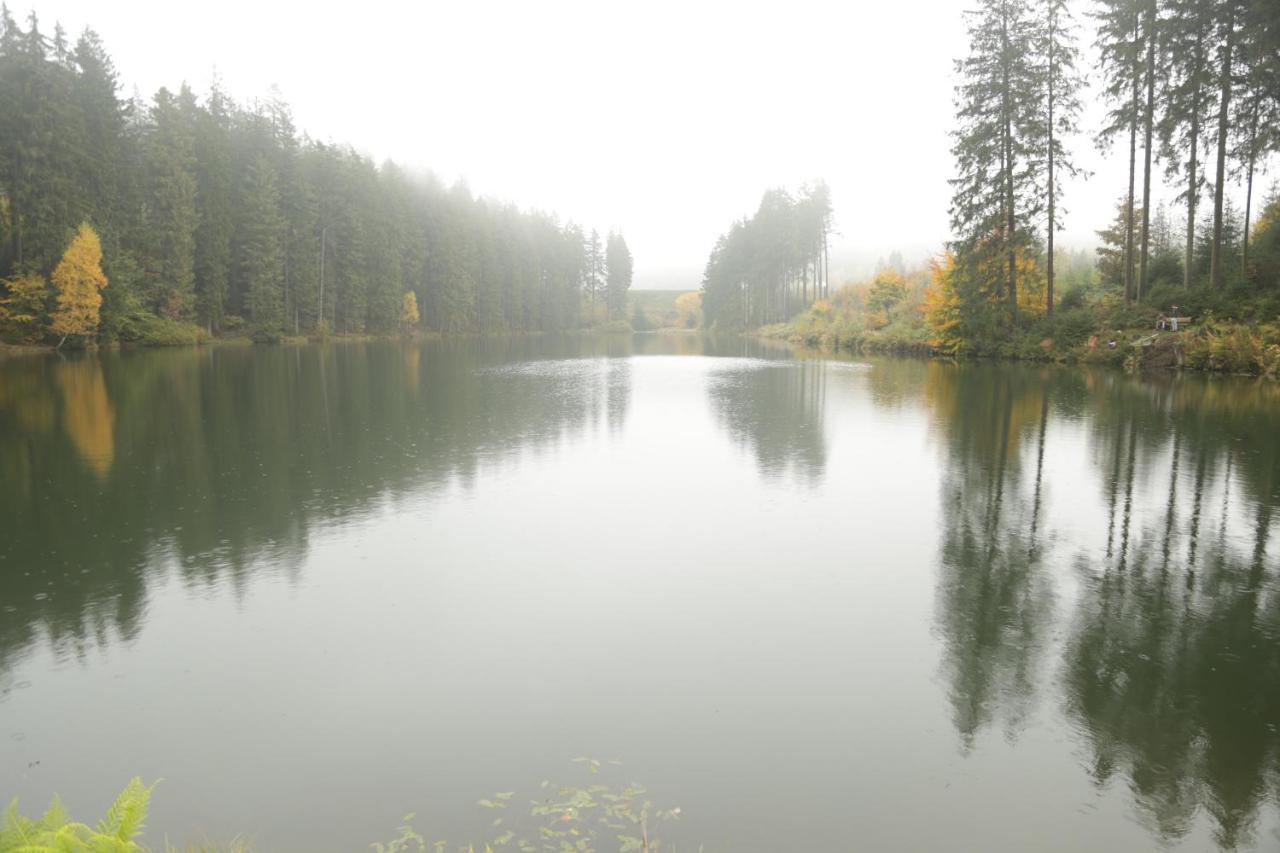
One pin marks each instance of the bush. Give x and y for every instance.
(1072, 299)
(640, 320)
(1071, 326)
(147, 329)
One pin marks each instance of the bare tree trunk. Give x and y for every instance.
(1248, 194)
(1224, 104)
(1049, 261)
(320, 301)
(1133, 160)
(1146, 171)
(1192, 191)
(1010, 223)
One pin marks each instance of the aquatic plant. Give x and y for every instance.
(588, 817)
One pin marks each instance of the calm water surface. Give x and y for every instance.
(819, 605)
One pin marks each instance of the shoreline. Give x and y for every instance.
(1195, 349)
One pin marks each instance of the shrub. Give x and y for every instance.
(147, 329)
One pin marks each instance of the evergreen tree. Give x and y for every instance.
(1000, 121)
(1189, 34)
(618, 281)
(261, 249)
(594, 276)
(1120, 48)
(169, 223)
(1061, 85)
(215, 183)
(1228, 17)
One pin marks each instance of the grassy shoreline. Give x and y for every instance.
(1240, 349)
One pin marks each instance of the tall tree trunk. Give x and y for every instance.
(1133, 161)
(1053, 37)
(1007, 105)
(1146, 169)
(1192, 188)
(1224, 104)
(1248, 193)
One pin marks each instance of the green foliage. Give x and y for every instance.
(619, 267)
(209, 209)
(144, 329)
(55, 832)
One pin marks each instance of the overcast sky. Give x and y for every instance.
(666, 120)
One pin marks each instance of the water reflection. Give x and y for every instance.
(1173, 670)
(1171, 661)
(1105, 566)
(994, 600)
(222, 462)
(778, 412)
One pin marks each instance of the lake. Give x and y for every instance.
(817, 604)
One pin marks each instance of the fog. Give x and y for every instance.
(665, 120)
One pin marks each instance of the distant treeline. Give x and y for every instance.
(223, 215)
(768, 267)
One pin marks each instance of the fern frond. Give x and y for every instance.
(125, 818)
(55, 817)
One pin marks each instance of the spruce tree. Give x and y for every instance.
(999, 118)
(1061, 84)
(1188, 42)
(618, 279)
(261, 249)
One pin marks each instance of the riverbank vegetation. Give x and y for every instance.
(589, 815)
(1192, 87)
(216, 218)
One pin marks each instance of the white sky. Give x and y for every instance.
(664, 119)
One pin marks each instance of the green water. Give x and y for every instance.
(817, 604)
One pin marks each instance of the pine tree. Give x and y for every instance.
(618, 280)
(1228, 15)
(1189, 34)
(261, 250)
(1061, 85)
(999, 113)
(215, 183)
(594, 279)
(1120, 51)
(171, 224)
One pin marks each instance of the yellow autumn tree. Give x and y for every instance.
(22, 308)
(689, 309)
(409, 312)
(941, 305)
(79, 280)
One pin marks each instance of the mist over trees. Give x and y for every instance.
(1180, 78)
(1191, 90)
(223, 215)
(773, 264)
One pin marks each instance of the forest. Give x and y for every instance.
(213, 217)
(1192, 95)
